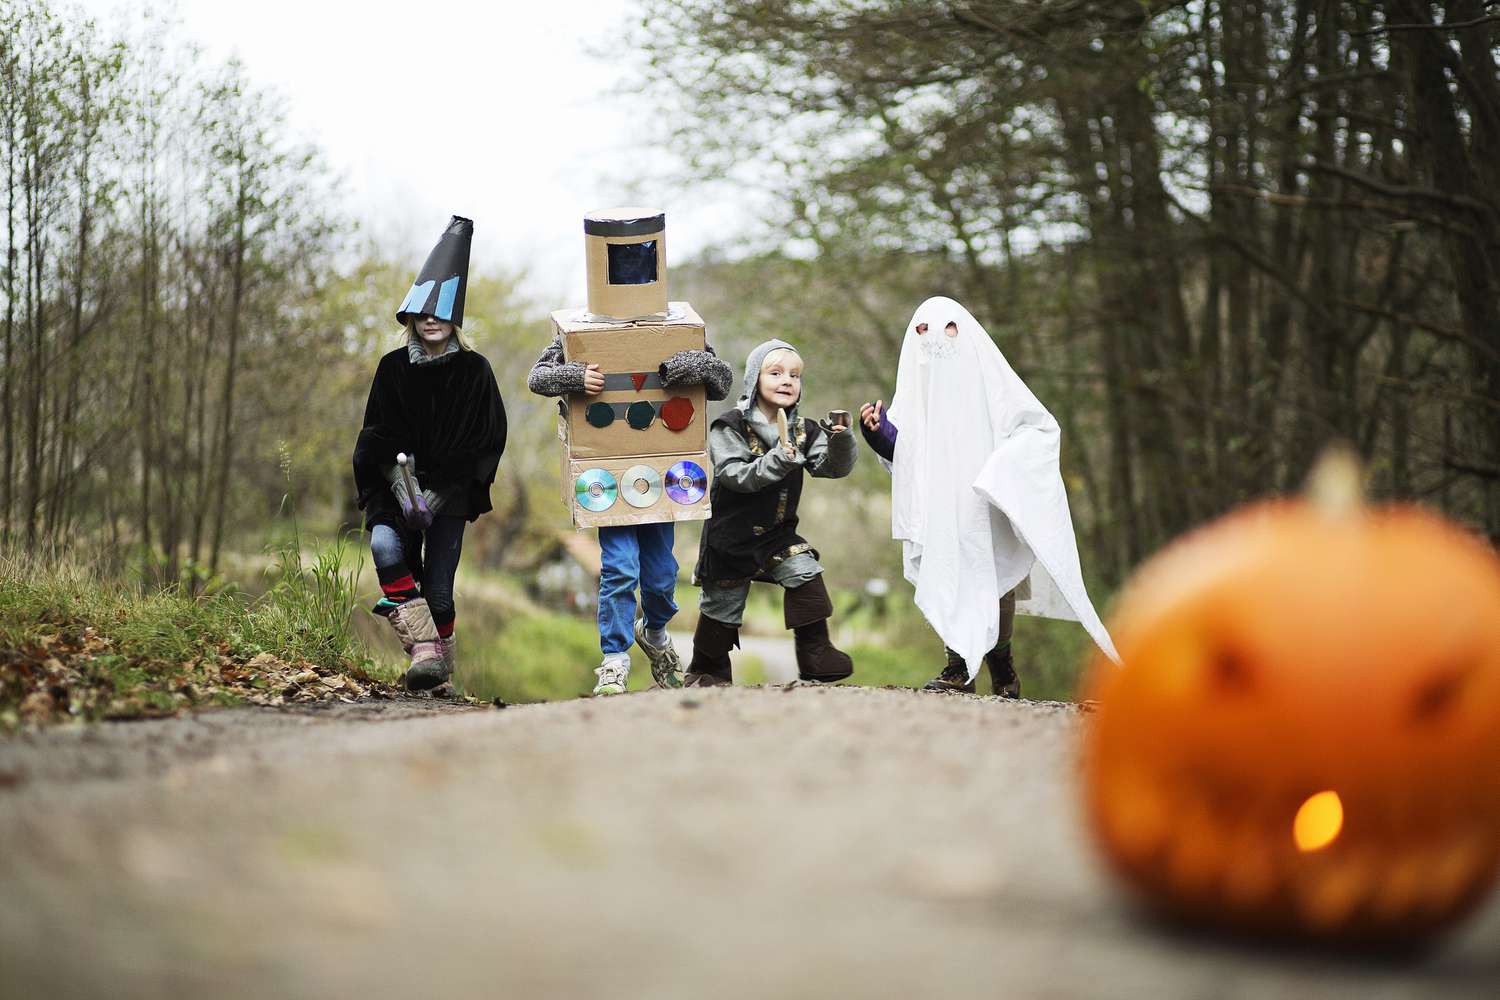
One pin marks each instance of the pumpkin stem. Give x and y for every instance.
(1336, 484)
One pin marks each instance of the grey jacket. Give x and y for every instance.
(553, 376)
(831, 456)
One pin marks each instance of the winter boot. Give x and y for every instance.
(712, 641)
(955, 676)
(413, 624)
(613, 674)
(807, 609)
(1003, 672)
(666, 666)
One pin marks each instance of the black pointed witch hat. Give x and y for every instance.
(441, 284)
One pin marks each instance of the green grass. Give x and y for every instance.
(1049, 657)
(543, 657)
(550, 657)
(122, 641)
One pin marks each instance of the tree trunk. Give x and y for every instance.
(226, 423)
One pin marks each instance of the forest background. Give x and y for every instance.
(1211, 236)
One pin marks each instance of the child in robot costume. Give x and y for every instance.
(752, 534)
(634, 555)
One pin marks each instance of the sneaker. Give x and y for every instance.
(666, 668)
(613, 674)
(955, 676)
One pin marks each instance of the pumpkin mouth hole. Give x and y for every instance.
(1438, 696)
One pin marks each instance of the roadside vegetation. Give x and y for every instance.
(80, 641)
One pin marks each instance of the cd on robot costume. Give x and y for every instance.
(686, 482)
(596, 490)
(640, 485)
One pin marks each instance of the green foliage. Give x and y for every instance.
(308, 608)
(1049, 656)
(309, 605)
(82, 641)
(1166, 214)
(895, 666)
(303, 616)
(542, 657)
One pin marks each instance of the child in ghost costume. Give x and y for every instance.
(752, 534)
(977, 499)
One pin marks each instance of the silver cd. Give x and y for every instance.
(640, 486)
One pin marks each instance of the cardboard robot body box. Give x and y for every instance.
(637, 452)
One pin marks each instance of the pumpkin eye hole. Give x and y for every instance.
(1230, 672)
(1437, 696)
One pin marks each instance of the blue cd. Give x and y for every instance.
(686, 482)
(596, 490)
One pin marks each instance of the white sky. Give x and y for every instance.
(493, 110)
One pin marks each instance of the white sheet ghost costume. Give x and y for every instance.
(977, 499)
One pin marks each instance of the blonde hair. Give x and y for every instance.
(458, 334)
(776, 352)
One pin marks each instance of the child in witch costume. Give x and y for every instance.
(977, 499)
(634, 555)
(435, 405)
(752, 534)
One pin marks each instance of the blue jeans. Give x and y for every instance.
(441, 547)
(634, 554)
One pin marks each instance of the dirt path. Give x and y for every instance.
(721, 843)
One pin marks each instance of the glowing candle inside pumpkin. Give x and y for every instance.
(1318, 821)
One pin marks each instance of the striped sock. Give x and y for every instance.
(397, 586)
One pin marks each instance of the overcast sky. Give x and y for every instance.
(494, 110)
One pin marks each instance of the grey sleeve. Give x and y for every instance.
(695, 368)
(832, 456)
(552, 376)
(394, 477)
(743, 472)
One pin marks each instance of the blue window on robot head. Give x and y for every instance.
(632, 263)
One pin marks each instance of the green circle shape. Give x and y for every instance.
(640, 415)
(600, 414)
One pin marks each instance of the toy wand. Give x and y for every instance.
(404, 462)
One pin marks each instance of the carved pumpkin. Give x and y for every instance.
(1304, 739)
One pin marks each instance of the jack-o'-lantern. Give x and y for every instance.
(1304, 739)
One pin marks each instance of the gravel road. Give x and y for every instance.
(726, 843)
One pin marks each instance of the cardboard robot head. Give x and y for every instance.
(626, 253)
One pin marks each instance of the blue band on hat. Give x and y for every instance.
(446, 295)
(417, 297)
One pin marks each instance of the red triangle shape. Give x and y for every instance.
(639, 378)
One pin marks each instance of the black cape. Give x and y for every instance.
(447, 413)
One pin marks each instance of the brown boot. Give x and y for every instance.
(1003, 672)
(712, 641)
(807, 609)
(955, 676)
